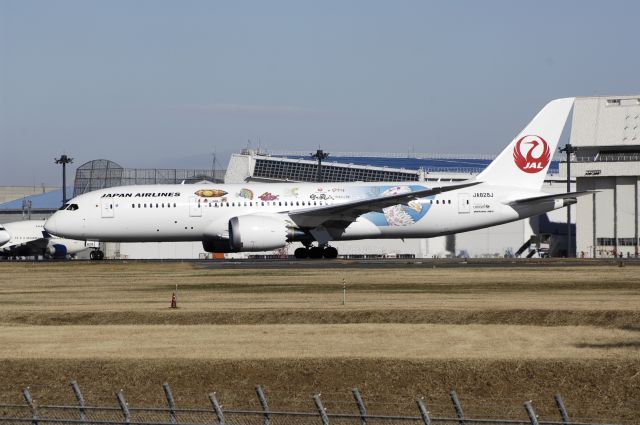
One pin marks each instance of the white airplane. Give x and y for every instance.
(261, 216)
(4, 236)
(29, 239)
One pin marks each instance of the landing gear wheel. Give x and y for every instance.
(315, 252)
(96, 255)
(330, 252)
(301, 253)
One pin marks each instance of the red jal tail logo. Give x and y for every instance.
(537, 154)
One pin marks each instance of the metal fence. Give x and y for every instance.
(82, 414)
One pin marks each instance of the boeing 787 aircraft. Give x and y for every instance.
(267, 216)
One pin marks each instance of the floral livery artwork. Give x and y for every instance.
(397, 215)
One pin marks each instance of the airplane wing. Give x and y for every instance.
(569, 198)
(348, 212)
(26, 249)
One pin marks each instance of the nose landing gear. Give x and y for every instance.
(316, 252)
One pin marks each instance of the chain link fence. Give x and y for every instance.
(81, 414)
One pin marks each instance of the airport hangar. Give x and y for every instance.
(604, 131)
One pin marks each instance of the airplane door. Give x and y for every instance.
(107, 205)
(463, 203)
(195, 209)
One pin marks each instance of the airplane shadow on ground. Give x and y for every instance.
(622, 344)
(626, 344)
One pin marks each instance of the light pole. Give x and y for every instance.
(568, 149)
(319, 155)
(64, 160)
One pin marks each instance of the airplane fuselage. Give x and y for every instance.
(193, 212)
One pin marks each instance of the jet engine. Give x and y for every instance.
(56, 250)
(217, 245)
(259, 233)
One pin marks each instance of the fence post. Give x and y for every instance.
(563, 412)
(76, 390)
(217, 408)
(170, 402)
(263, 403)
(32, 404)
(123, 406)
(531, 413)
(457, 406)
(321, 410)
(424, 413)
(361, 408)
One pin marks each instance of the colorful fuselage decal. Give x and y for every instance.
(398, 215)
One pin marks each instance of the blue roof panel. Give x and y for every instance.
(443, 164)
(44, 201)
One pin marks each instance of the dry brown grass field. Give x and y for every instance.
(500, 336)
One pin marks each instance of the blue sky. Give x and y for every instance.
(165, 83)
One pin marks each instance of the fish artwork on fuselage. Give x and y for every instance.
(293, 192)
(210, 193)
(245, 193)
(268, 196)
(397, 215)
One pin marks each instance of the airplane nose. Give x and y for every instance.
(4, 237)
(50, 225)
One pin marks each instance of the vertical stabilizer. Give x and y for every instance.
(524, 163)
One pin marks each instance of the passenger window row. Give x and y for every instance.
(250, 204)
(150, 205)
(234, 204)
(264, 204)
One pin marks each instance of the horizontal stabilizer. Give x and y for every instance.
(567, 197)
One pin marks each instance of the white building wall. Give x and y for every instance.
(239, 169)
(494, 241)
(606, 121)
(585, 236)
(607, 128)
(155, 250)
(605, 198)
(625, 206)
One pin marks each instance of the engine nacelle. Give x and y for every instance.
(57, 250)
(217, 245)
(258, 233)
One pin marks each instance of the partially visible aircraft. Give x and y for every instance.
(29, 239)
(266, 216)
(4, 236)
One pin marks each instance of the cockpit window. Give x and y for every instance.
(72, 207)
(64, 207)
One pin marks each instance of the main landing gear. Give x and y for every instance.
(96, 255)
(316, 252)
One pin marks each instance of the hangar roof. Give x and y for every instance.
(49, 201)
(447, 163)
